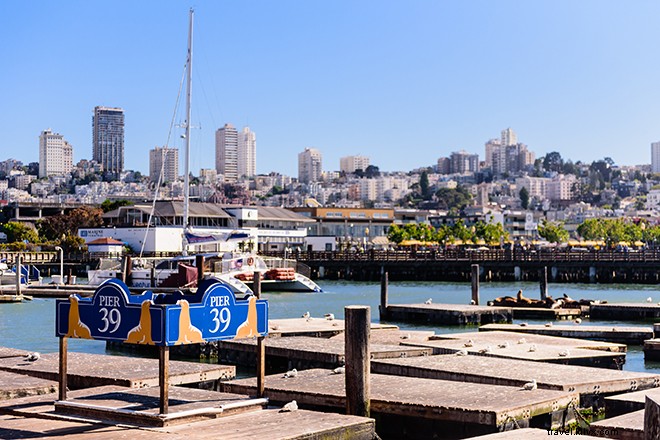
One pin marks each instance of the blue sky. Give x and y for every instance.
(403, 82)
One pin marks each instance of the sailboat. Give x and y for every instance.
(234, 268)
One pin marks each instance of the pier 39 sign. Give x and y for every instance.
(114, 314)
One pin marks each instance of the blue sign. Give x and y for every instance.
(113, 313)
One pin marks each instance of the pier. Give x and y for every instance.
(626, 311)
(616, 334)
(448, 314)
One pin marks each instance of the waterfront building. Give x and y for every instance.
(165, 161)
(108, 138)
(226, 152)
(247, 153)
(55, 154)
(349, 225)
(350, 164)
(310, 165)
(655, 157)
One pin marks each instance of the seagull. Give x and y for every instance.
(523, 324)
(532, 348)
(339, 370)
(473, 302)
(406, 336)
(505, 344)
(428, 301)
(488, 349)
(522, 341)
(32, 356)
(275, 327)
(329, 316)
(578, 321)
(469, 343)
(291, 373)
(291, 406)
(307, 315)
(530, 386)
(462, 352)
(649, 300)
(564, 353)
(548, 324)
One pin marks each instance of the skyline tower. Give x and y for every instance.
(655, 157)
(247, 153)
(55, 154)
(226, 152)
(309, 165)
(108, 138)
(165, 159)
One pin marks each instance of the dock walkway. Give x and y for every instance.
(448, 314)
(615, 334)
(625, 311)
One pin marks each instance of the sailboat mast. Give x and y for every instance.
(186, 176)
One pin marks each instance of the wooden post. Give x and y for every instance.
(543, 281)
(63, 367)
(69, 276)
(199, 263)
(384, 281)
(124, 269)
(651, 419)
(152, 276)
(19, 287)
(164, 378)
(475, 284)
(261, 346)
(356, 342)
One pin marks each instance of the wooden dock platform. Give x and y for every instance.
(545, 348)
(6, 352)
(91, 370)
(18, 385)
(35, 417)
(318, 327)
(628, 402)
(525, 434)
(617, 334)
(469, 408)
(303, 352)
(652, 349)
(627, 426)
(449, 314)
(625, 311)
(587, 381)
(543, 313)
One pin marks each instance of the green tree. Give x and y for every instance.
(58, 227)
(554, 232)
(524, 197)
(491, 233)
(424, 185)
(110, 205)
(457, 198)
(20, 232)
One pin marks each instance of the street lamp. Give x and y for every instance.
(61, 251)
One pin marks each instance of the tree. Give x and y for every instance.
(554, 232)
(372, 171)
(110, 205)
(457, 198)
(58, 227)
(553, 162)
(424, 185)
(524, 197)
(20, 232)
(491, 233)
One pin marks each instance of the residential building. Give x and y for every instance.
(461, 162)
(165, 161)
(491, 146)
(208, 175)
(536, 186)
(226, 152)
(350, 164)
(443, 166)
(508, 137)
(108, 138)
(561, 187)
(309, 165)
(655, 157)
(55, 154)
(247, 153)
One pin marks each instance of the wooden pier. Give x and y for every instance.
(617, 334)
(545, 348)
(318, 327)
(587, 381)
(448, 314)
(462, 408)
(92, 370)
(625, 311)
(18, 385)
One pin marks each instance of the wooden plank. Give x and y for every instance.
(546, 348)
(18, 385)
(617, 334)
(88, 370)
(449, 314)
(524, 434)
(471, 403)
(511, 372)
(625, 311)
(316, 327)
(628, 426)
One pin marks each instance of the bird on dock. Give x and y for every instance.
(289, 407)
(473, 302)
(32, 356)
(522, 341)
(275, 327)
(291, 373)
(488, 349)
(469, 343)
(307, 315)
(505, 344)
(406, 336)
(329, 316)
(649, 300)
(428, 301)
(564, 353)
(530, 386)
(462, 352)
(578, 321)
(523, 324)
(339, 370)
(532, 348)
(548, 324)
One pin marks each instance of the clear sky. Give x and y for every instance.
(403, 82)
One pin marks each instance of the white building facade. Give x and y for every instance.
(310, 165)
(55, 154)
(226, 152)
(164, 160)
(247, 153)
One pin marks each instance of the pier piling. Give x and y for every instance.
(543, 282)
(384, 281)
(357, 360)
(475, 284)
(261, 346)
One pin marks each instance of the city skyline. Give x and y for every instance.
(372, 79)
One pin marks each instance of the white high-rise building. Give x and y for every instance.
(349, 164)
(108, 138)
(309, 165)
(655, 157)
(247, 153)
(226, 152)
(164, 159)
(509, 137)
(55, 154)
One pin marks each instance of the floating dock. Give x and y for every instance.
(449, 314)
(526, 434)
(18, 385)
(543, 313)
(535, 348)
(318, 327)
(627, 426)
(616, 334)
(588, 381)
(303, 352)
(625, 311)
(413, 405)
(6, 352)
(93, 370)
(628, 402)
(652, 349)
